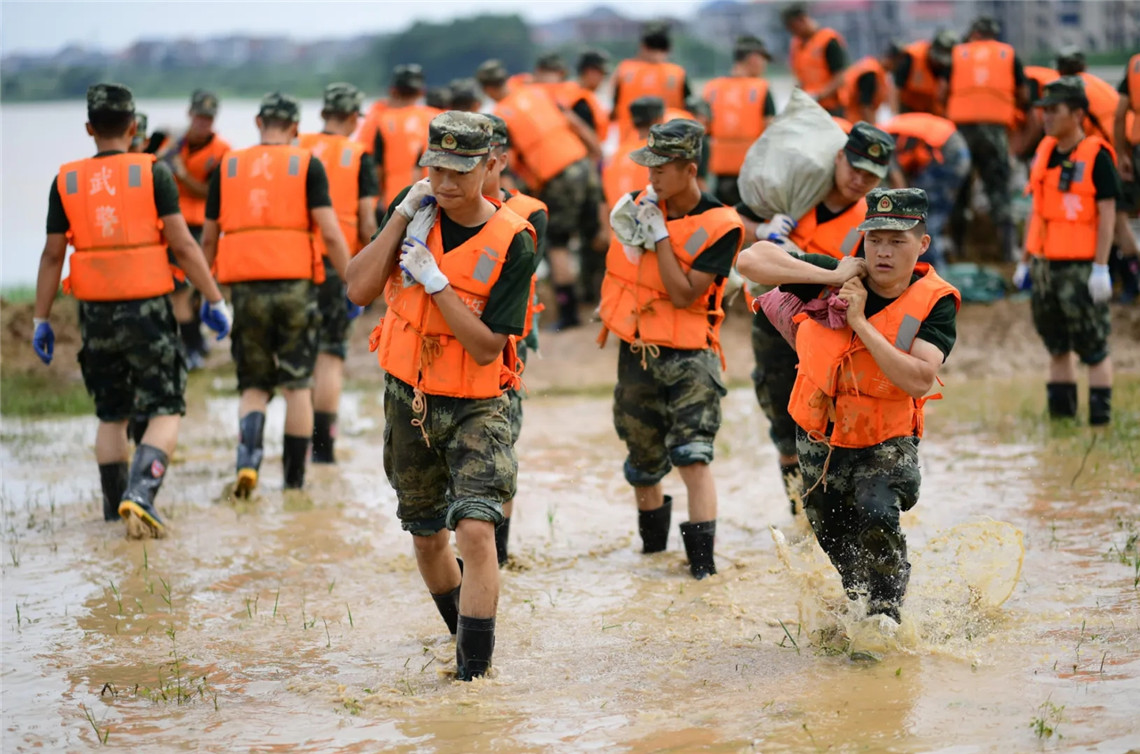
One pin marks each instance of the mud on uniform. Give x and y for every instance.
(276, 322)
(132, 359)
(470, 468)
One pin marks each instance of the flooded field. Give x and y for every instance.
(299, 623)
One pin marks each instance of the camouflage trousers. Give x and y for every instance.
(989, 150)
(515, 396)
(566, 196)
(1064, 313)
(668, 412)
(275, 332)
(132, 359)
(773, 378)
(333, 334)
(855, 510)
(942, 181)
(460, 465)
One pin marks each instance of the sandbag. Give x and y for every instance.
(791, 167)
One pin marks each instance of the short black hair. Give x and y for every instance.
(656, 37)
(110, 124)
(282, 123)
(919, 230)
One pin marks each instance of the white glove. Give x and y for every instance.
(1100, 284)
(418, 263)
(419, 195)
(1021, 275)
(650, 217)
(779, 227)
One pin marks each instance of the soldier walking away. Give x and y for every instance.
(353, 190)
(194, 159)
(649, 74)
(818, 56)
(664, 303)
(402, 133)
(456, 301)
(1074, 186)
(263, 205)
(916, 68)
(859, 391)
(111, 208)
(621, 174)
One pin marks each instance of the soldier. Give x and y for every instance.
(622, 175)
(536, 214)
(581, 96)
(194, 159)
(650, 74)
(465, 95)
(859, 391)
(262, 207)
(1074, 187)
(984, 88)
(111, 208)
(864, 89)
(353, 190)
(447, 436)
(741, 105)
(916, 68)
(829, 229)
(664, 304)
(438, 97)
(552, 147)
(818, 56)
(402, 133)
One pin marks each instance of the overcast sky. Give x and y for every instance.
(45, 26)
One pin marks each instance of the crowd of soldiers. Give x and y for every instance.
(436, 207)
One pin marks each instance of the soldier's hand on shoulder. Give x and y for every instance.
(850, 267)
(419, 195)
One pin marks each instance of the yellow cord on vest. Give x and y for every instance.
(419, 407)
(639, 346)
(816, 436)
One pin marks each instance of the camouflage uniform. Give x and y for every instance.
(772, 379)
(132, 359)
(667, 412)
(275, 333)
(942, 181)
(566, 196)
(333, 335)
(989, 150)
(1064, 313)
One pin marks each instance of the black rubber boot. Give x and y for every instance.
(148, 469)
(567, 298)
(136, 428)
(1062, 400)
(448, 602)
(113, 478)
(793, 486)
(502, 535)
(698, 539)
(1100, 406)
(653, 526)
(294, 457)
(249, 452)
(474, 645)
(324, 436)
(886, 592)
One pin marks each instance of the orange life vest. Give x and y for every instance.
(1063, 225)
(737, 104)
(843, 123)
(366, 134)
(1103, 99)
(621, 175)
(519, 80)
(199, 164)
(841, 395)
(919, 139)
(341, 157)
(1134, 98)
(635, 304)
(120, 254)
(571, 93)
(849, 91)
(524, 206)
(808, 61)
(642, 78)
(917, 94)
(540, 133)
(837, 237)
(405, 134)
(264, 218)
(1042, 76)
(414, 342)
(982, 84)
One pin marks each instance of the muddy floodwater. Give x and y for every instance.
(299, 623)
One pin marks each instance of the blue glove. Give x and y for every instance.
(354, 310)
(43, 341)
(217, 317)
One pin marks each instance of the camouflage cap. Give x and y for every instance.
(894, 209)
(278, 106)
(550, 61)
(491, 72)
(595, 59)
(869, 148)
(942, 47)
(342, 99)
(645, 111)
(140, 128)
(500, 135)
(457, 141)
(204, 103)
(109, 98)
(679, 139)
(438, 97)
(986, 26)
(1070, 60)
(408, 76)
(464, 93)
(1067, 90)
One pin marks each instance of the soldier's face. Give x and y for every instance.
(1060, 120)
(891, 254)
(455, 190)
(853, 184)
(201, 125)
(592, 78)
(672, 178)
